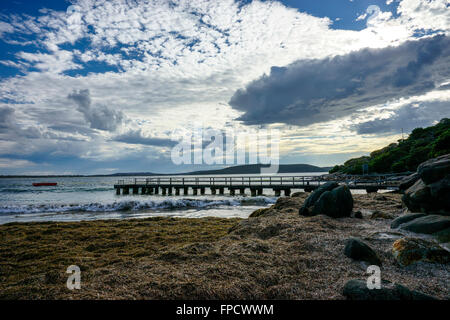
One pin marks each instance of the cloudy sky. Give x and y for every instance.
(96, 86)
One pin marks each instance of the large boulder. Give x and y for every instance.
(440, 193)
(331, 200)
(418, 197)
(312, 199)
(409, 181)
(358, 290)
(434, 169)
(336, 203)
(358, 250)
(443, 236)
(411, 250)
(428, 224)
(405, 218)
(431, 193)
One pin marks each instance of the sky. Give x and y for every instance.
(98, 87)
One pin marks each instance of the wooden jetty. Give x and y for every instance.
(238, 184)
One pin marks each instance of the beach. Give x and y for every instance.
(277, 255)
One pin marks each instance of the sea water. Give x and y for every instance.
(94, 198)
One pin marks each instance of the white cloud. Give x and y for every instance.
(179, 62)
(57, 62)
(361, 17)
(5, 28)
(427, 15)
(12, 163)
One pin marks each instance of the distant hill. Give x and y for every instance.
(242, 169)
(421, 145)
(256, 168)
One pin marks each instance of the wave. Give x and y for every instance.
(54, 189)
(131, 205)
(12, 190)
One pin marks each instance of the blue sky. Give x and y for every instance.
(91, 86)
(342, 13)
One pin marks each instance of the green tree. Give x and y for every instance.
(421, 145)
(441, 145)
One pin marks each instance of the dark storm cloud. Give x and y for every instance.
(136, 137)
(311, 91)
(99, 117)
(407, 118)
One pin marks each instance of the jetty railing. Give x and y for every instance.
(148, 185)
(227, 180)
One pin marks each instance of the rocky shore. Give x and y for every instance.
(307, 246)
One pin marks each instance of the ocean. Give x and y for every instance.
(94, 198)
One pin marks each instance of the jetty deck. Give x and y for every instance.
(256, 184)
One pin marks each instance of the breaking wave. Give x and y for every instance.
(133, 205)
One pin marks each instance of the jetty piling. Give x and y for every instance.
(256, 184)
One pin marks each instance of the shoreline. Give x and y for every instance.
(279, 255)
(140, 207)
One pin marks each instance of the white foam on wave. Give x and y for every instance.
(135, 205)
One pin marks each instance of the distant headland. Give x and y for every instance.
(241, 169)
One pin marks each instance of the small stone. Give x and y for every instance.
(358, 214)
(380, 235)
(380, 215)
(358, 250)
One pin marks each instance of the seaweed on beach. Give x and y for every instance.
(276, 255)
